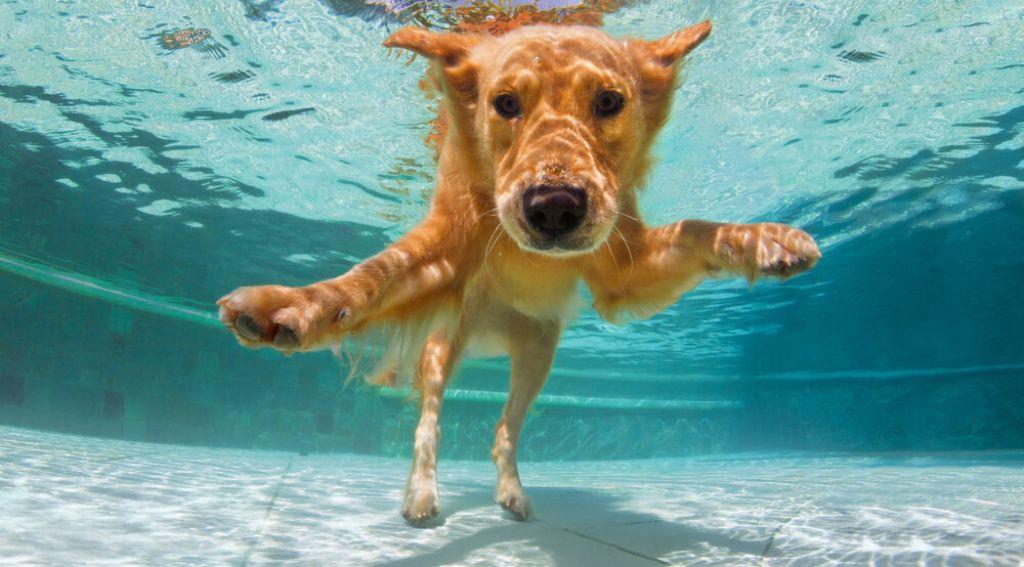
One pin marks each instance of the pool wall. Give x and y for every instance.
(117, 372)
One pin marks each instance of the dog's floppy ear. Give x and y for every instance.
(659, 59)
(670, 49)
(446, 48)
(450, 51)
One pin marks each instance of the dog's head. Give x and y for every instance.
(560, 120)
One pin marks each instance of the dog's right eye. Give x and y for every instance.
(608, 104)
(507, 105)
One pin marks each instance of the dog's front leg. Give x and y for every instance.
(303, 318)
(438, 359)
(531, 349)
(645, 270)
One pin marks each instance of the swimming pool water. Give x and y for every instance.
(867, 412)
(139, 182)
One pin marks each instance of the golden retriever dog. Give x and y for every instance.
(547, 141)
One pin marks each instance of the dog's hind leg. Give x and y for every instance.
(532, 350)
(437, 361)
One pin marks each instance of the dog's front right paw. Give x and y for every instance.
(285, 318)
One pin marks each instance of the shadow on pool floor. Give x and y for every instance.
(647, 537)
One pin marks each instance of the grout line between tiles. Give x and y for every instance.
(771, 538)
(612, 545)
(267, 511)
(123, 457)
(620, 524)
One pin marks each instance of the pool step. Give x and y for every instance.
(565, 401)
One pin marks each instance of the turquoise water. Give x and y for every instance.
(139, 183)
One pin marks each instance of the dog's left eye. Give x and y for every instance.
(608, 104)
(507, 105)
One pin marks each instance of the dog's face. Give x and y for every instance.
(561, 120)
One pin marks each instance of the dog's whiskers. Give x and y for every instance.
(615, 262)
(492, 241)
(628, 250)
(630, 217)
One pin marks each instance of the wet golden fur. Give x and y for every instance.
(476, 274)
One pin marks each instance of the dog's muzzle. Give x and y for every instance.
(553, 211)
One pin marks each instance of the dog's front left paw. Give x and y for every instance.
(784, 251)
(767, 249)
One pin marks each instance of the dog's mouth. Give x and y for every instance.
(558, 246)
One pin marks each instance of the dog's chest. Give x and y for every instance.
(540, 287)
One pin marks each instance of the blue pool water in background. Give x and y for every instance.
(140, 183)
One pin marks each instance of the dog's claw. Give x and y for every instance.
(516, 509)
(421, 507)
(514, 501)
(420, 517)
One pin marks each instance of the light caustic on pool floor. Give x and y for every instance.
(82, 500)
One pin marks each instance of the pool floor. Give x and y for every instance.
(79, 500)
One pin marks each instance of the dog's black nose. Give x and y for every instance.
(553, 210)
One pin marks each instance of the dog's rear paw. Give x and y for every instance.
(285, 318)
(420, 507)
(514, 501)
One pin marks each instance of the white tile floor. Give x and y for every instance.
(73, 501)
